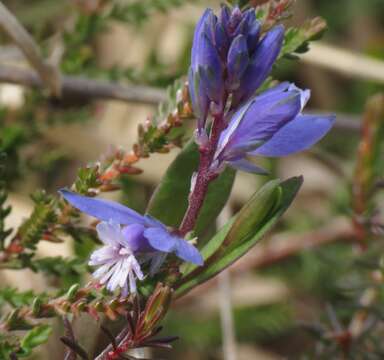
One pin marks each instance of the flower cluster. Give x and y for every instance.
(230, 57)
(231, 60)
(129, 239)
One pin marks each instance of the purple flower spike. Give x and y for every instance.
(228, 57)
(271, 124)
(129, 239)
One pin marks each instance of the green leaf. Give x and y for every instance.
(14, 298)
(297, 39)
(43, 216)
(241, 233)
(170, 200)
(35, 337)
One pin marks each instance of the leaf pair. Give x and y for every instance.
(241, 233)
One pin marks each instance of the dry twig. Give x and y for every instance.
(87, 89)
(48, 73)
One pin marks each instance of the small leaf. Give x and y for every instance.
(170, 200)
(37, 336)
(241, 233)
(297, 39)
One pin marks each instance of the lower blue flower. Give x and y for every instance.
(129, 239)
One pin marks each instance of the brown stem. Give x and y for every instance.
(203, 178)
(119, 340)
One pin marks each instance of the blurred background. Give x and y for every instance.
(293, 283)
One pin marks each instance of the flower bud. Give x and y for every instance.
(228, 57)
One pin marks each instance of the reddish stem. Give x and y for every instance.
(203, 177)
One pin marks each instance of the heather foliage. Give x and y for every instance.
(228, 114)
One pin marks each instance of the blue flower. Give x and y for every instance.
(272, 125)
(129, 240)
(229, 56)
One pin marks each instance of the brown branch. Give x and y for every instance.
(48, 73)
(83, 88)
(89, 89)
(345, 62)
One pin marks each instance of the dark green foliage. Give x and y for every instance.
(67, 271)
(33, 338)
(137, 11)
(14, 298)
(296, 40)
(167, 126)
(13, 348)
(12, 139)
(42, 217)
(80, 54)
(87, 178)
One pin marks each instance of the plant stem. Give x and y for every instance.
(203, 177)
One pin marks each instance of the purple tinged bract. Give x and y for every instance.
(129, 239)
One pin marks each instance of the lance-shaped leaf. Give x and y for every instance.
(35, 337)
(170, 200)
(242, 232)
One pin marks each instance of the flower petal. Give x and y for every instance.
(103, 209)
(136, 268)
(160, 239)
(104, 255)
(117, 276)
(237, 60)
(133, 238)
(109, 232)
(265, 115)
(261, 64)
(156, 262)
(247, 166)
(199, 98)
(101, 271)
(221, 40)
(153, 222)
(298, 135)
(132, 283)
(253, 36)
(187, 252)
(225, 15)
(226, 135)
(199, 29)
